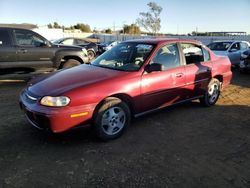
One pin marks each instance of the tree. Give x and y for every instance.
(83, 27)
(131, 29)
(56, 25)
(108, 31)
(50, 26)
(151, 20)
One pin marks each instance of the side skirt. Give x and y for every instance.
(159, 108)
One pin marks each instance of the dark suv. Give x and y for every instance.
(22, 48)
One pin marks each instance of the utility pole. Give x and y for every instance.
(114, 27)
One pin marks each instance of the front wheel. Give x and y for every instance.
(70, 63)
(111, 119)
(212, 94)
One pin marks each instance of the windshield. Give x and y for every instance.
(124, 56)
(219, 46)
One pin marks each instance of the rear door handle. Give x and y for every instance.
(179, 75)
(23, 51)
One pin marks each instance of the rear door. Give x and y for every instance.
(164, 87)
(197, 69)
(32, 50)
(8, 55)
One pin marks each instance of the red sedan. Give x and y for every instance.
(133, 78)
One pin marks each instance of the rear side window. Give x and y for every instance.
(4, 38)
(193, 53)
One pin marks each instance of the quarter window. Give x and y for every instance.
(168, 56)
(206, 55)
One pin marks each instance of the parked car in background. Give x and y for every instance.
(22, 48)
(107, 46)
(132, 79)
(232, 49)
(91, 47)
(245, 61)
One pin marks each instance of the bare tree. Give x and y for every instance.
(151, 20)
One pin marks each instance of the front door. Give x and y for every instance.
(164, 87)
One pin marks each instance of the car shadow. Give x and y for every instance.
(240, 79)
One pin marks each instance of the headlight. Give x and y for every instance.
(85, 51)
(55, 101)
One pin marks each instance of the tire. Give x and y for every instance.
(212, 94)
(111, 119)
(91, 55)
(242, 71)
(70, 63)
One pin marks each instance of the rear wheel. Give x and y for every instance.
(111, 119)
(70, 63)
(212, 94)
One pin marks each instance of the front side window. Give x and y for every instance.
(168, 56)
(25, 38)
(193, 53)
(236, 46)
(125, 56)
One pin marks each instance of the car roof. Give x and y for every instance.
(13, 28)
(163, 40)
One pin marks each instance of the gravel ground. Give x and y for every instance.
(182, 146)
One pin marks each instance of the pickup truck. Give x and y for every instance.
(22, 48)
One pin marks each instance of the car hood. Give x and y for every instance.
(63, 81)
(222, 53)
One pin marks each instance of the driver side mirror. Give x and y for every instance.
(153, 67)
(47, 44)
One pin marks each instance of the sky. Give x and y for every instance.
(178, 16)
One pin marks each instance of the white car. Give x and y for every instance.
(232, 49)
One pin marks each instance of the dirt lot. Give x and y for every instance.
(182, 146)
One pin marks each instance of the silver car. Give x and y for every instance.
(232, 49)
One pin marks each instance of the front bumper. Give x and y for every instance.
(55, 119)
